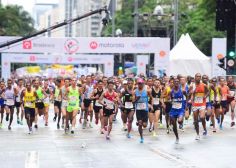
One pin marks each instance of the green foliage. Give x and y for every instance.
(196, 17)
(14, 21)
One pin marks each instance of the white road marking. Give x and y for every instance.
(32, 160)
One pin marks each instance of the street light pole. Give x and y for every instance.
(176, 20)
(136, 18)
(113, 4)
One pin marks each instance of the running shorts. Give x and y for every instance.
(142, 115)
(30, 111)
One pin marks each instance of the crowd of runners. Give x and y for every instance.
(98, 100)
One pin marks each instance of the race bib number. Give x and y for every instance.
(198, 100)
(64, 103)
(98, 104)
(129, 105)
(10, 102)
(109, 104)
(73, 100)
(232, 93)
(47, 101)
(141, 106)
(156, 101)
(208, 99)
(18, 99)
(28, 104)
(177, 105)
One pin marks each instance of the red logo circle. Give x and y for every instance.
(70, 59)
(93, 45)
(71, 46)
(162, 53)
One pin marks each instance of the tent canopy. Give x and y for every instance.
(187, 59)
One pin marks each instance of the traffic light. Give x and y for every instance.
(222, 63)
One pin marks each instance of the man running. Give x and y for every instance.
(72, 93)
(48, 92)
(108, 99)
(10, 94)
(231, 98)
(64, 103)
(18, 102)
(128, 106)
(2, 102)
(57, 102)
(199, 95)
(29, 96)
(141, 101)
(178, 108)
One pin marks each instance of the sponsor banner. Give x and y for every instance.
(142, 61)
(218, 52)
(106, 60)
(87, 45)
(161, 58)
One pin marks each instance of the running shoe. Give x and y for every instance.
(107, 137)
(18, 121)
(211, 124)
(46, 124)
(62, 125)
(167, 130)
(30, 131)
(197, 137)
(84, 125)
(9, 127)
(128, 135)
(54, 119)
(214, 130)
(154, 134)
(205, 133)
(180, 126)
(160, 125)
(90, 125)
(141, 140)
(21, 122)
(150, 129)
(72, 131)
(58, 126)
(232, 124)
(36, 126)
(221, 127)
(177, 141)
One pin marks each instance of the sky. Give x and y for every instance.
(27, 4)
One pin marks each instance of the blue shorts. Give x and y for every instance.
(1, 102)
(176, 113)
(208, 105)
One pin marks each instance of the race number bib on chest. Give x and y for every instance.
(232, 93)
(156, 101)
(177, 105)
(198, 99)
(73, 101)
(10, 102)
(28, 104)
(109, 103)
(141, 106)
(129, 105)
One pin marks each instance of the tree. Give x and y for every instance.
(14, 21)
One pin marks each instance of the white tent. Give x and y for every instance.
(187, 59)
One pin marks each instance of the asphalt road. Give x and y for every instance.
(51, 148)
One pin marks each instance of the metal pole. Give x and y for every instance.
(113, 17)
(136, 15)
(176, 20)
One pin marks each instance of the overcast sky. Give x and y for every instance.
(27, 4)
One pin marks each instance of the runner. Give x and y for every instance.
(29, 96)
(178, 107)
(127, 106)
(108, 99)
(64, 100)
(48, 92)
(10, 94)
(57, 102)
(154, 114)
(122, 105)
(98, 108)
(199, 95)
(231, 98)
(141, 101)
(2, 102)
(87, 102)
(185, 89)
(224, 90)
(18, 102)
(72, 94)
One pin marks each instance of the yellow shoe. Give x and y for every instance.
(154, 134)
(160, 125)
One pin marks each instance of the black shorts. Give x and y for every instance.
(155, 108)
(87, 102)
(18, 104)
(10, 107)
(168, 107)
(216, 105)
(97, 108)
(30, 111)
(57, 104)
(108, 113)
(142, 115)
(3, 106)
(39, 105)
(224, 104)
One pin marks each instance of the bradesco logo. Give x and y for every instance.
(94, 45)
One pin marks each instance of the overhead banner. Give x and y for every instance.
(106, 60)
(86, 45)
(218, 52)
